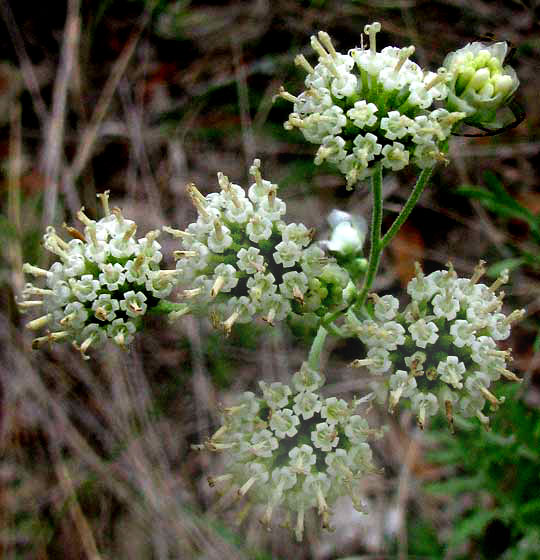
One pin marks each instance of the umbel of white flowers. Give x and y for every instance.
(293, 449)
(367, 107)
(103, 283)
(441, 351)
(240, 259)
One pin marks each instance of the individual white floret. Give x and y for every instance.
(421, 288)
(105, 307)
(259, 228)
(366, 147)
(287, 253)
(75, 315)
(325, 436)
(149, 248)
(425, 405)
(276, 394)
(445, 305)
(343, 85)
(294, 285)
(402, 385)
(302, 459)
(395, 125)
(396, 157)
(357, 429)
(451, 371)
(312, 260)
(424, 333)
(263, 443)
(219, 238)
(385, 307)
(335, 410)
(499, 326)
(260, 285)
(298, 233)
(224, 279)
(332, 149)
(306, 404)
(427, 155)
(136, 271)
(284, 423)
(250, 260)
(354, 169)
(86, 288)
(121, 331)
(362, 114)
(112, 276)
(133, 303)
(463, 333)
(415, 362)
(240, 310)
(307, 379)
(161, 282)
(120, 248)
(275, 308)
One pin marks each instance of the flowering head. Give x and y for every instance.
(369, 107)
(479, 83)
(443, 347)
(294, 449)
(242, 260)
(102, 285)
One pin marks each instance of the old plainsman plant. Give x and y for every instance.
(288, 448)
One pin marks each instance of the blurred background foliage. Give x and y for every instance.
(141, 97)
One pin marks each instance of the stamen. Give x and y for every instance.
(301, 60)
(371, 31)
(404, 55)
(479, 271)
(104, 198)
(74, 232)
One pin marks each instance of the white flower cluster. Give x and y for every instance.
(293, 448)
(367, 107)
(443, 346)
(240, 259)
(103, 284)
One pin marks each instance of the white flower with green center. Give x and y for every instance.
(307, 379)
(306, 404)
(104, 307)
(276, 394)
(424, 332)
(357, 429)
(362, 114)
(451, 371)
(302, 459)
(287, 253)
(396, 157)
(335, 410)
(395, 125)
(325, 436)
(134, 303)
(284, 422)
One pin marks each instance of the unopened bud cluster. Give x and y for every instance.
(240, 259)
(294, 450)
(442, 349)
(103, 283)
(480, 83)
(368, 107)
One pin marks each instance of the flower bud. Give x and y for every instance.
(479, 83)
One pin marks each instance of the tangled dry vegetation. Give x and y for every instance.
(140, 98)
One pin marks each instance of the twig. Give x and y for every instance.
(14, 197)
(248, 139)
(54, 136)
(89, 135)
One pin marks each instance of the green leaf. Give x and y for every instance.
(455, 485)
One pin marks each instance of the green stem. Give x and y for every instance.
(409, 205)
(314, 357)
(376, 246)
